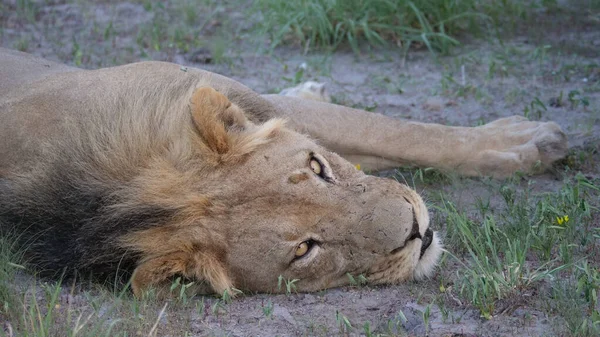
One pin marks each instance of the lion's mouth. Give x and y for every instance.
(427, 240)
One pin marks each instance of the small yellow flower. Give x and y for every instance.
(562, 219)
(357, 166)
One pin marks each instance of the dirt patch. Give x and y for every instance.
(554, 78)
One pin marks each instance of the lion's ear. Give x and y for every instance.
(224, 128)
(214, 116)
(157, 273)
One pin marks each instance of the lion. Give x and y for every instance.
(153, 171)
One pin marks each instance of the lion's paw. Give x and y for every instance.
(308, 90)
(515, 144)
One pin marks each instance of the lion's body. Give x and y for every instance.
(36, 120)
(146, 169)
(31, 87)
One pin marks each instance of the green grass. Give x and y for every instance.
(27, 9)
(10, 264)
(435, 24)
(181, 27)
(30, 307)
(571, 297)
(343, 322)
(290, 285)
(507, 250)
(328, 23)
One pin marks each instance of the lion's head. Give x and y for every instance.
(276, 205)
(212, 197)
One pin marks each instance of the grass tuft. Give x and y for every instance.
(10, 263)
(328, 23)
(532, 237)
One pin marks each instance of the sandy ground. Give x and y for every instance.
(483, 80)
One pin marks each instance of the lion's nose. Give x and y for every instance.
(427, 239)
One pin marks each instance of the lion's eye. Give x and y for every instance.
(319, 166)
(316, 166)
(303, 248)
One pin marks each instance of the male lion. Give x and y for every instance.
(165, 171)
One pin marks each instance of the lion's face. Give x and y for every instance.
(308, 214)
(285, 210)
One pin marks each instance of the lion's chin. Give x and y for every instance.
(427, 263)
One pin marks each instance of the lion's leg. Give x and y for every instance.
(376, 141)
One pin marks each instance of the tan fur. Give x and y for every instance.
(200, 179)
